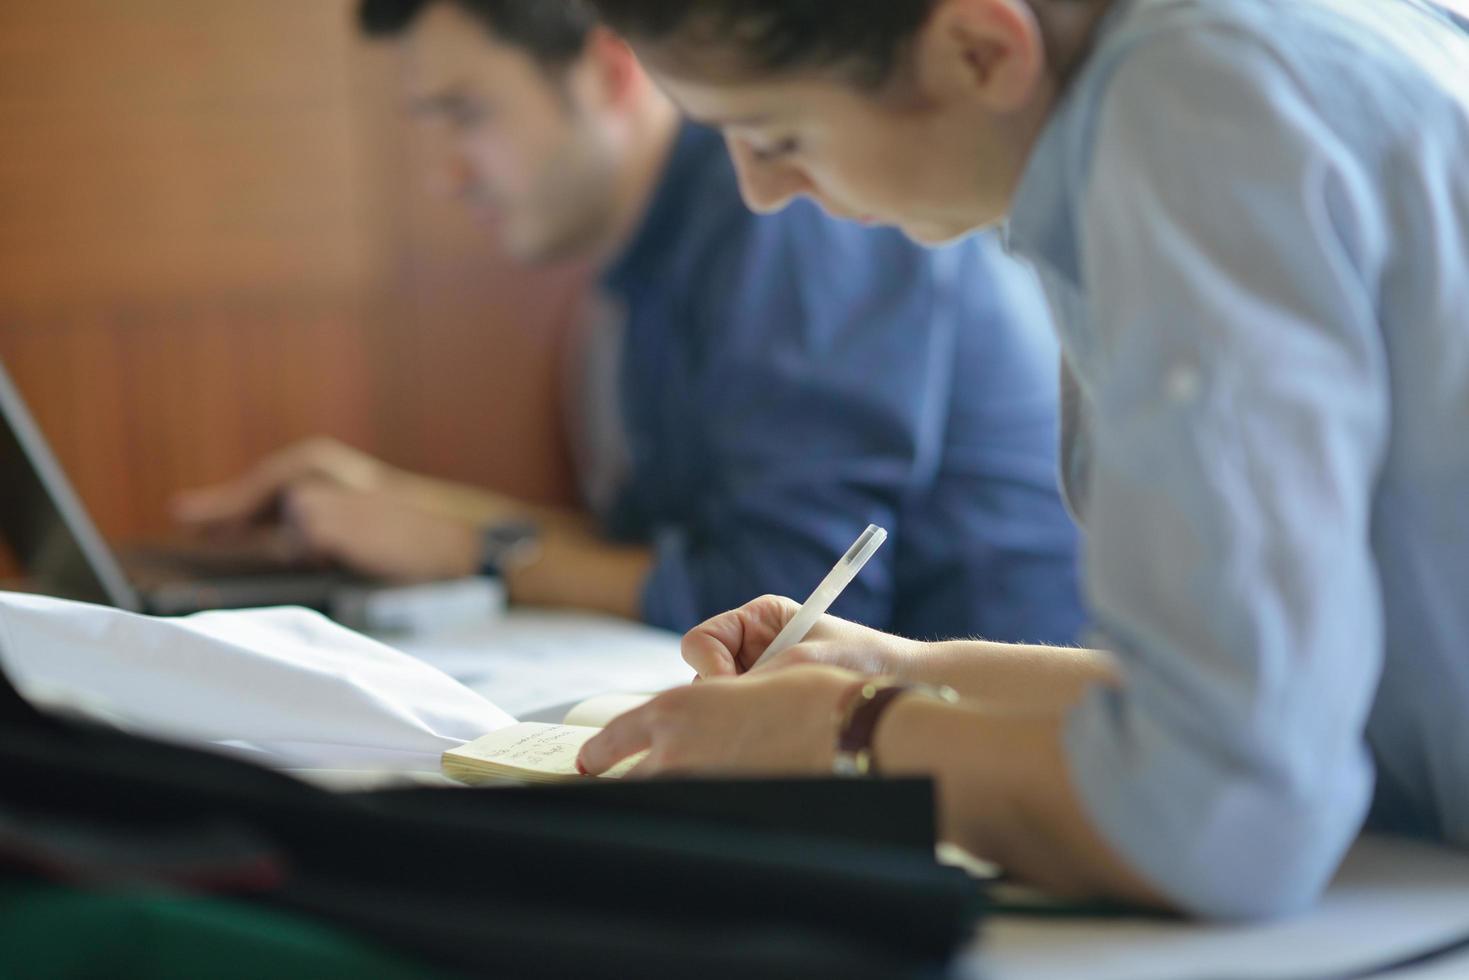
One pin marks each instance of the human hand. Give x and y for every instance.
(781, 723)
(732, 642)
(261, 490)
(375, 534)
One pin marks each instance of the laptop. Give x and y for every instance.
(62, 554)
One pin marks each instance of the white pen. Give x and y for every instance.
(826, 593)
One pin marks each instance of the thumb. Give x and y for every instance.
(731, 642)
(224, 503)
(249, 495)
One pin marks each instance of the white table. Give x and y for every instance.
(537, 663)
(1391, 900)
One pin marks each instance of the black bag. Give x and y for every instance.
(676, 878)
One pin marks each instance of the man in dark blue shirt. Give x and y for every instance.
(758, 390)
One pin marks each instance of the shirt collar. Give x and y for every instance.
(674, 200)
(1041, 226)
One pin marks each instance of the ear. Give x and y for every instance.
(989, 51)
(616, 78)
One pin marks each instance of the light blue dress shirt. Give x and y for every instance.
(1252, 220)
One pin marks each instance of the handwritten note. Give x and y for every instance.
(529, 750)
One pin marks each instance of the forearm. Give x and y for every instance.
(1009, 675)
(577, 568)
(1005, 794)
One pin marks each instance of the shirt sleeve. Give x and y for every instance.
(1238, 405)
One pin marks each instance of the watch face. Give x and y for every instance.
(509, 543)
(511, 534)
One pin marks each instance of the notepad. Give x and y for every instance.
(536, 752)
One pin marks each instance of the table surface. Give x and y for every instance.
(536, 663)
(1391, 900)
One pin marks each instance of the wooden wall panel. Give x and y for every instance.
(135, 409)
(476, 346)
(213, 242)
(160, 147)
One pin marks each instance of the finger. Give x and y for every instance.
(769, 615)
(251, 494)
(235, 502)
(316, 518)
(206, 506)
(710, 647)
(731, 642)
(623, 736)
(334, 461)
(646, 769)
(802, 653)
(280, 544)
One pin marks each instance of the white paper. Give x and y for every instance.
(597, 712)
(540, 748)
(285, 687)
(533, 660)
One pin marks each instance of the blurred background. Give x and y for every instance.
(214, 241)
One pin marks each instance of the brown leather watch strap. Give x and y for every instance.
(854, 755)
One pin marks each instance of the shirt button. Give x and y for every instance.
(1182, 384)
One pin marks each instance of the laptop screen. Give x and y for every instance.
(44, 522)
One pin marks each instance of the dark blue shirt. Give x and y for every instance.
(788, 379)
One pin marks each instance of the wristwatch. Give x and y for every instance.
(506, 545)
(858, 728)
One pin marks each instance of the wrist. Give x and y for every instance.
(525, 583)
(505, 547)
(929, 663)
(909, 661)
(461, 552)
(863, 709)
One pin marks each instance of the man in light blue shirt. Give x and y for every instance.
(1252, 219)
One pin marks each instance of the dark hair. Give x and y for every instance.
(553, 31)
(865, 38)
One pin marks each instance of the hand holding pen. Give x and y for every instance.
(773, 631)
